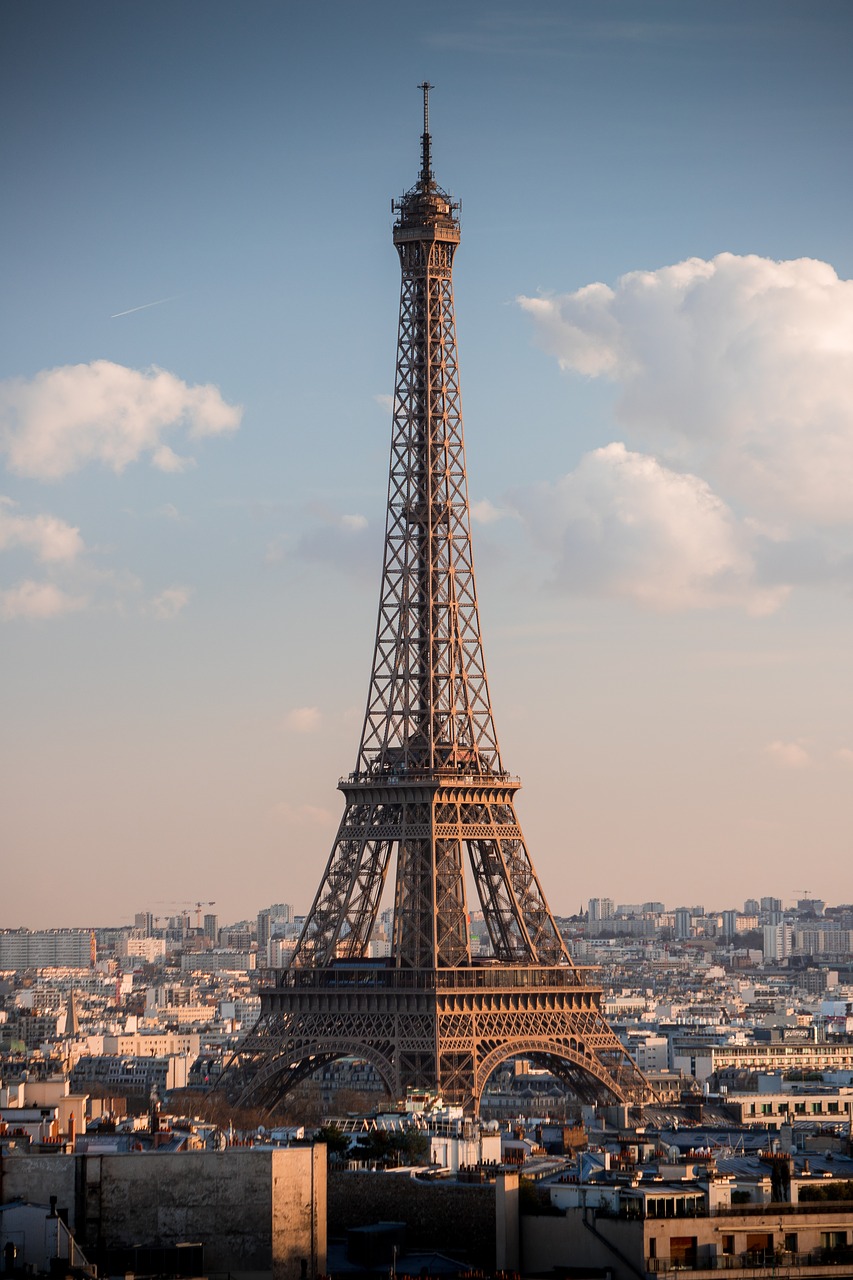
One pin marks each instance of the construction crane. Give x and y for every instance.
(198, 907)
(185, 903)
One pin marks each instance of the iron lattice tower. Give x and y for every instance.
(429, 786)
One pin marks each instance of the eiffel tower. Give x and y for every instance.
(428, 788)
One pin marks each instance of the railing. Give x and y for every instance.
(374, 975)
(777, 1260)
(803, 1207)
(431, 777)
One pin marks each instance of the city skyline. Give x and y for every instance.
(656, 340)
(176, 915)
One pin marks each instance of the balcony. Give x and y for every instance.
(758, 1262)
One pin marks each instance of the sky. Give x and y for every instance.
(197, 338)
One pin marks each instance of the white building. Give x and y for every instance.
(778, 941)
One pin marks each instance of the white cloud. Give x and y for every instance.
(49, 538)
(61, 419)
(622, 524)
(75, 581)
(741, 365)
(845, 756)
(169, 603)
(303, 719)
(788, 755)
(37, 600)
(165, 459)
(354, 523)
(485, 512)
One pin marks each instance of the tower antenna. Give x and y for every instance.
(426, 163)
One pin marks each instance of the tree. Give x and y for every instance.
(335, 1139)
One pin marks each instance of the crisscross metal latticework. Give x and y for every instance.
(429, 793)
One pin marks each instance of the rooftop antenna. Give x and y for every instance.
(426, 167)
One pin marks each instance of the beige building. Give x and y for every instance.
(772, 1110)
(252, 1209)
(701, 1060)
(637, 1230)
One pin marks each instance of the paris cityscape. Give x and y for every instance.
(471, 1043)
(113, 1040)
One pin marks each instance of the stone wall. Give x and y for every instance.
(252, 1210)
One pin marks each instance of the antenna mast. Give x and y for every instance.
(426, 162)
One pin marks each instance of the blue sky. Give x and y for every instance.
(658, 465)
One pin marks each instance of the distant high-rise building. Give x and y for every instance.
(263, 929)
(144, 920)
(751, 907)
(770, 905)
(600, 909)
(730, 919)
(683, 927)
(778, 941)
(211, 928)
(49, 948)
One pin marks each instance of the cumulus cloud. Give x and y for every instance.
(165, 459)
(169, 603)
(788, 755)
(74, 580)
(303, 719)
(741, 366)
(485, 512)
(47, 537)
(37, 600)
(53, 543)
(61, 419)
(622, 524)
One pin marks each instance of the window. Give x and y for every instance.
(728, 1244)
(759, 1247)
(682, 1251)
(791, 1242)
